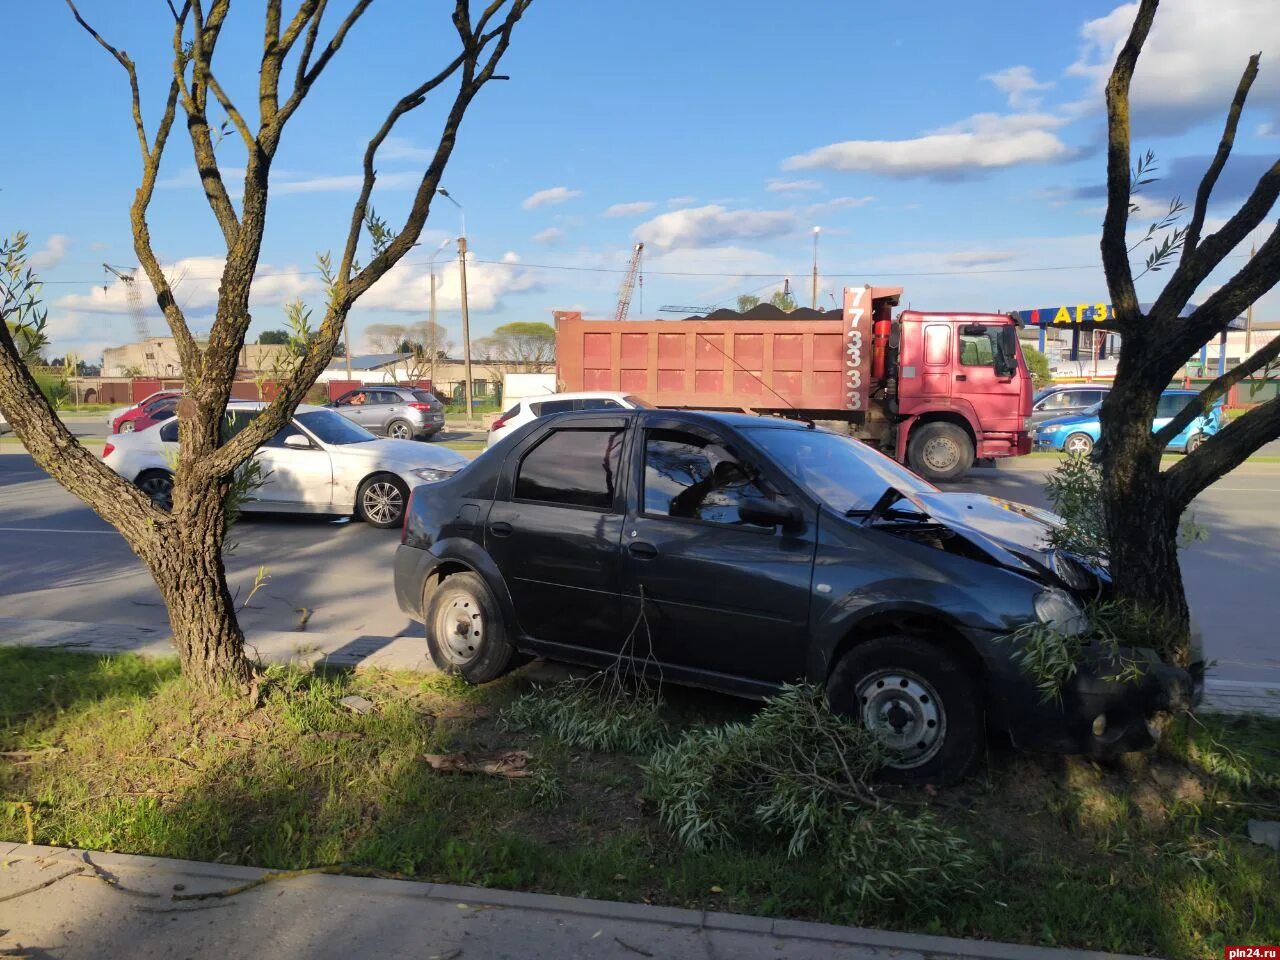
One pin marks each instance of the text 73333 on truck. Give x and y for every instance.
(933, 390)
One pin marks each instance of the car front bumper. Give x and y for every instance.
(1095, 714)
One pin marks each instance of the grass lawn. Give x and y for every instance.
(1144, 855)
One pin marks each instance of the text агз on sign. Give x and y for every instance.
(1081, 313)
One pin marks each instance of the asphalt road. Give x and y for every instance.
(59, 561)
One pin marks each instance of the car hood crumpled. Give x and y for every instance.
(402, 455)
(1006, 521)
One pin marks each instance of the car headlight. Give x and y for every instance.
(1062, 612)
(433, 474)
(1047, 428)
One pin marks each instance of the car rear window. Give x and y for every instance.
(422, 396)
(575, 468)
(547, 407)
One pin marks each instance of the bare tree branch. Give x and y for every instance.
(306, 76)
(1218, 388)
(347, 289)
(1115, 255)
(1220, 158)
(123, 59)
(1222, 452)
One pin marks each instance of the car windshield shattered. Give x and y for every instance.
(333, 428)
(843, 472)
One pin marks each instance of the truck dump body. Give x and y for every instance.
(803, 360)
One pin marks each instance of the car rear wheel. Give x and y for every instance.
(940, 451)
(466, 633)
(127, 427)
(1194, 441)
(381, 501)
(920, 701)
(400, 430)
(1078, 444)
(158, 485)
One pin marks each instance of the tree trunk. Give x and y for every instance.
(1142, 524)
(190, 574)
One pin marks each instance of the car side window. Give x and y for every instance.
(234, 421)
(689, 477)
(573, 468)
(1170, 405)
(1090, 397)
(598, 403)
(550, 406)
(288, 430)
(169, 432)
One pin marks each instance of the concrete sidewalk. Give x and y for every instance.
(73, 904)
(311, 649)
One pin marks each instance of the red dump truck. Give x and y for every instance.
(934, 390)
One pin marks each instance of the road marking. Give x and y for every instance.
(51, 530)
(1242, 489)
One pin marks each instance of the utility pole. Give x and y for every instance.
(813, 300)
(466, 323)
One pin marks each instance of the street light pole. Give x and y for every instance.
(466, 319)
(431, 263)
(813, 300)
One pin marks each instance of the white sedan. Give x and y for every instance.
(320, 463)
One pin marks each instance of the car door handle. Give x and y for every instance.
(501, 529)
(642, 550)
(961, 376)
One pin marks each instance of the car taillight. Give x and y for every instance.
(497, 424)
(108, 450)
(408, 509)
(418, 406)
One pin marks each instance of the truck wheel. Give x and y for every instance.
(940, 451)
(465, 630)
(1078, 444)
(920, 701)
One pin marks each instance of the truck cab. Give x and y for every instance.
(962, 391)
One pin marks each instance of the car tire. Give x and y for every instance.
(916, 696)
(400, 430)
(940, 451)
(1078, 444)
(466, 632)
(158, 485)
(382, 500)
(126, 427)
(1193, 442)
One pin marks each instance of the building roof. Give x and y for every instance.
(366, 361)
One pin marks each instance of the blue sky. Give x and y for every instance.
(954, 149)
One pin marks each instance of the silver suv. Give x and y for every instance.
(404, 413)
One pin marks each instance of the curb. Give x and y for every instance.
(933, 947)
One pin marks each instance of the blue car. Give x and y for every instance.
(1077, 434)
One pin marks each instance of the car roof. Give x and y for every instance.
(704, 417)
(262, 405)
(579, 395)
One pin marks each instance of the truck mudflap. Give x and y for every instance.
(1098, 714)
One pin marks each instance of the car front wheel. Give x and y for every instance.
(127, 427)
(1078, 444)
(381, 501)
(158, 485)
(1194, 441)
(466, 633)
(920, 702)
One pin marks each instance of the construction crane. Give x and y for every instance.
(629, 283)
(128, 276)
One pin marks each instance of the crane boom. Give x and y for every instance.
(133, 297)
(629, 283)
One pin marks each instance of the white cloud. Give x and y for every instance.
(837, 203)
(51, 254)
(1267, 130)
(778, 185)
(978, 144)
(629, 209)
(1018, 84)
(400, 148)
(287, 181)
(194, 281)
(980, 258)
(674, 202)
(549, 236)
(711, 225)
(548, 197)
(1191, 62)
(407, 287)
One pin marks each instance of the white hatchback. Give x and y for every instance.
(531, 408)
(320, 463)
